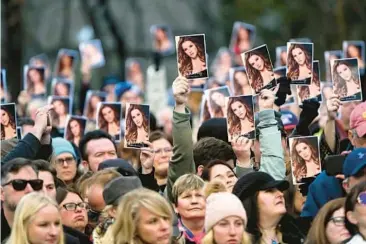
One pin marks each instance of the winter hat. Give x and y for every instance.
(122, 87)
(122, 166)
(221, 205)
(358, 119)
(118, 187)
(215, 127)
(110, 80)
(61, 145)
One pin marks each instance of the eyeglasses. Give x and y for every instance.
(20, 185)
(338, 221)
(73, 206)
(93, 215)
(68, 160)
(361, 199)
(166, 150)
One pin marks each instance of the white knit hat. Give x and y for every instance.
(221, 205)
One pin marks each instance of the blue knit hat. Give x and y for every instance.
(60, 145)
(122, 87)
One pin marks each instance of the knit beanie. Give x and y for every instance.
(60, 145)
(221, 205)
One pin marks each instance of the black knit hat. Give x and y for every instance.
(253, 182)
(118, 187)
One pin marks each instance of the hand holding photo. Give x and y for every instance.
(137, 125)
(65, 64)
(34, 81)
(239, 81)
(109, 118)
(355, 49)
(91, 102)
(92, 53)
(305, 157)
(62, 107)
(75, 129)
(216, 101)
(300, 62)
(259, 68)
(62, 87)
(8, 121)
(240, 117)
(162, 39)
(312, 91)
(328, 57)
(346, 79)
(191, 56)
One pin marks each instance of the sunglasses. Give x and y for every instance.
(20, 185)
(361, 199)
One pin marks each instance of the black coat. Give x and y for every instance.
(83, 239)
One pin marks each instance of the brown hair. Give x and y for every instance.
(294, 71)
(185, 63)
(253, 74)
(103, 125)
(339, 83)
(69, 135)
(234, 121)
(11, 121)
(30, 85)
(317, 231)
(131, 132)
(90, 110)
(237, 87)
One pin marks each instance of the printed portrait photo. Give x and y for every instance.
(240, 117)
(259, 68)
(300, 62)
(137, 125)
(312, 91)
(305, 157)
(62, 107)
(346, 79)
(204, 111)
(41, 61)
(328, 57)
(242, 37)
(135, 72)
(300, 39)
(191, 56)
(281, 56)
(75, 129)
(91, 102)
(109, 118)
(34, 81)
(62, 87)
(162, 39)
(8, 121)
(221, 64)
(239, 82)
(65, 64)
(355, 49)
(92, 53)
(216, 101)
(3, 87)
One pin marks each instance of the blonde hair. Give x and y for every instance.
(214, 186)
(28, 206)
(209, 238)
(124, 229)
(187, 182)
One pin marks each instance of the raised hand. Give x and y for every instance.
(147, 156)
(180, 90)
(42, 122)
(241, 146)
(333, 104)
(267, 98)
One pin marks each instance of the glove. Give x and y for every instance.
(283, 91)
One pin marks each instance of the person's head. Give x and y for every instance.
(37, 220)
(35, 75)
(108, 114)
(60, 107)
(26, 124)
(210, 148)
(161, 34)
(225, 220)
(298, 56)
(144, 217)
(95, 147)
(221, 171)
(355, 209)
(328, 226)
(62, 89)
(114, 191)
(73, 209)
(163, 152)
(65, 62)
(303, 151)
(47, 173)
(7, 118)
(65, 160)
(239, 108)
(189, 47)
(357, 124)
(74, 129)
(294, 199)
(262, 197)
(255, 63)
(19, 177)
(136, 118)
(354, 168)
(188, 197)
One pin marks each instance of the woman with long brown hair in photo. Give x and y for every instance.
(75, 131)
(137, 125)
(299, 62)
(8, 124)
(217, 103)
(259, 70)
(240, 117)
(36, 81)
(345, 78)
(240, 82)
(109, 119)
(305, 158)
(191, 56)
(65, 66)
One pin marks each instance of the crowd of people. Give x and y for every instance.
(260, 170)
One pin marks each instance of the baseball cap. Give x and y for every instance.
(354, 162)
(289, 119)
(358, 119)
